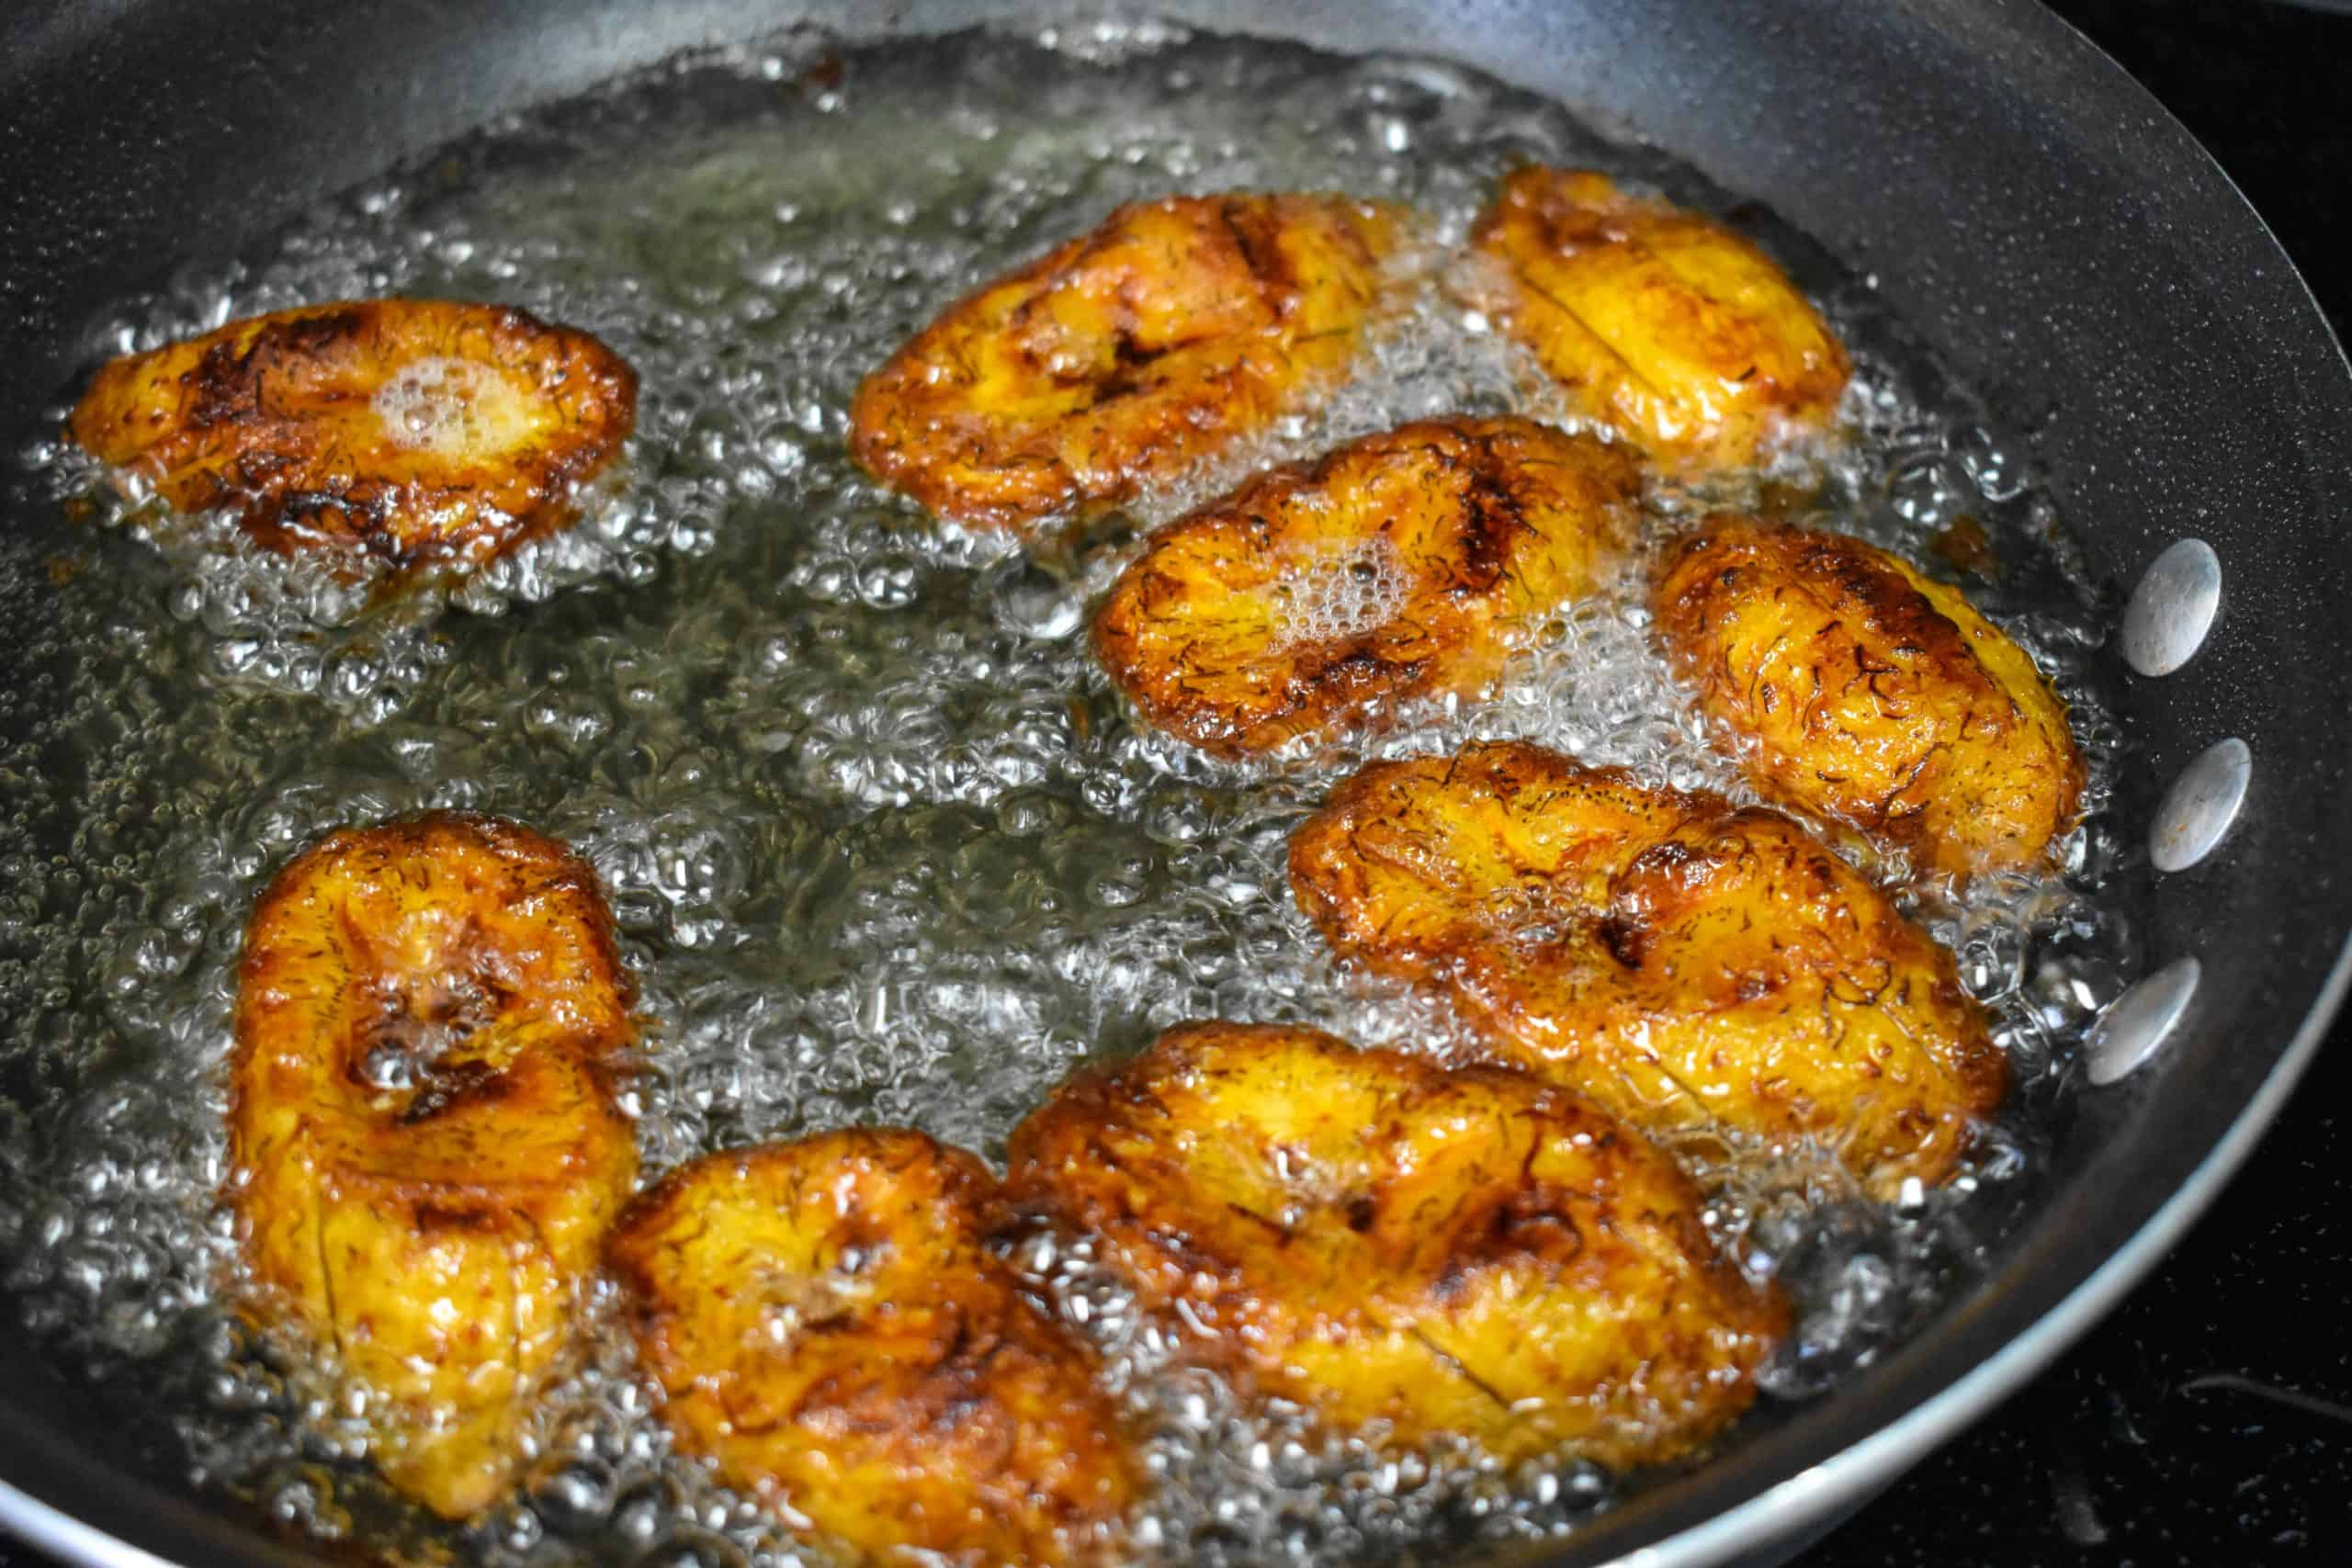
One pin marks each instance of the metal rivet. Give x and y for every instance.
(2200, 805)
(2139, 1020)
(2173, 608)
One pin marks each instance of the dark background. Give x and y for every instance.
(2209, 1421)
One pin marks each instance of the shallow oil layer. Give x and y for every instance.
(883, 845)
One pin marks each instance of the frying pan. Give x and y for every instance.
(2034, 216)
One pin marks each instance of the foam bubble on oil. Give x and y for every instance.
(882, 842)
(445, 406)
(1330, 590)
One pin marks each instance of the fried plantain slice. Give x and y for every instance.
(1403, 563)
(405, 431)
(425, 1144)
(1173, 330)
(1666, 326)
(829, 1327)
(1468, 1253)
(1873, 696)
(1675, 958)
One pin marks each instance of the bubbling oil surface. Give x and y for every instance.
(882, 843)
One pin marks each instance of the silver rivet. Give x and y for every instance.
(2200, 805)
(2138, 1021)
(2173, 608)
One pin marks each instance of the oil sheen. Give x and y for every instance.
(882, 842)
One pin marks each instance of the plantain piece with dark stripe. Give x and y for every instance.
(1867, 694)
(1465, 1253)
(829, 1327)
(1405, 563)
(1660, 323)
(1677, 959)
(1174, 329)
(410, 431)
(425, 1147)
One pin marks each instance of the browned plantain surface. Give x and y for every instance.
(1873, 695)
(427, 1150)
(1668, 327)
(1160, 338)
(1469, 1253)
(1403, 563)
(409, 431)
(1675, 958)
(829, 1326)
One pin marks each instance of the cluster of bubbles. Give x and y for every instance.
(1330, 592)
(438, 404)
(882, 844)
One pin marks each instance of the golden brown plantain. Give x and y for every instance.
(1873, 695)
(409, 431)
(1173, 330)
(1666, 326)
(1401, 564)
(1675, 958)
(425, 1147)
(1468, 1253)
(828, 1326)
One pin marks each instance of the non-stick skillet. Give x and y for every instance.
(2054, 237)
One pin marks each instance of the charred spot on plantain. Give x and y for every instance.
(443, 1218)
(1495, 517)
(455, 1086)
(1626, 939)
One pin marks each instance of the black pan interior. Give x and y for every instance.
(2057, 240)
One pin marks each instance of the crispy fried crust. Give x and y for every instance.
(1671, 328)
(426, 1149)
(829, 1326)
(409, 431)
(1466, 1253)
(1132, 351)
(1873, 695)
(1675, 958)
(1401, 564)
